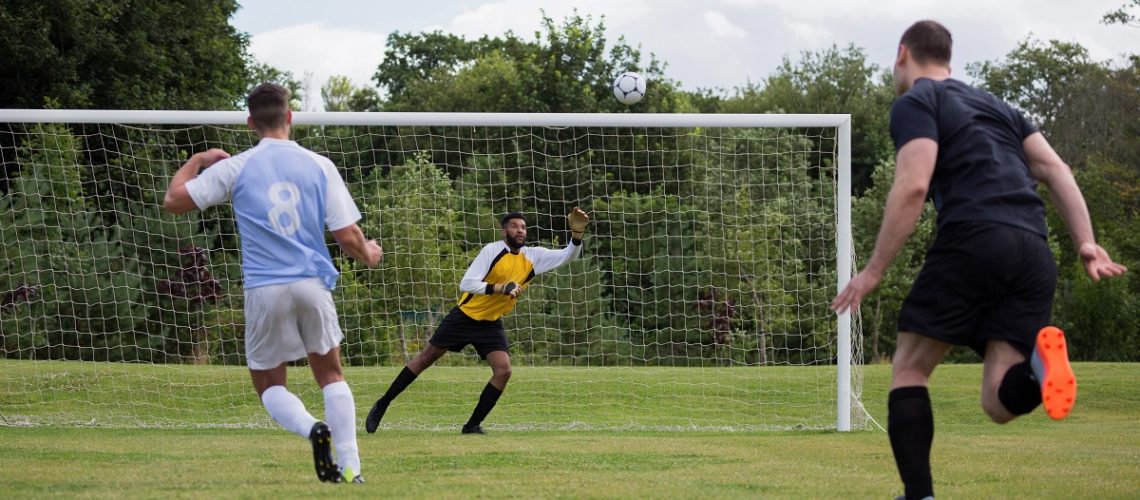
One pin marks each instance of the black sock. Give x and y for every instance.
(910, 424)
(402, 381)
(487, 401)
(1020, 392)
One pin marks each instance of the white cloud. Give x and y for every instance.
(723, 28)
(320, 51)
(808, 34)
(721, 43)
(523, 16)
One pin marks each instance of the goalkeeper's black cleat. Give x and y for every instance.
(321, 439)
(375, 415)
(474, 429)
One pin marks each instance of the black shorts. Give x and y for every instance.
(982, 281)
(457, 330)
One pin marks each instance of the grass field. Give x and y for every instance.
(1093, 454)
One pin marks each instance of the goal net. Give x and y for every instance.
(699, 301)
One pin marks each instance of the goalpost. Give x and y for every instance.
(699, 302)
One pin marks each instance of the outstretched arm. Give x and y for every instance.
(545, 260)
(1048, 168)
(177, 199)
(914, 166)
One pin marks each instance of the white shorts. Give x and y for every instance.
(286, 322)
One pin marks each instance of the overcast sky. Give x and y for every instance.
(706, 44)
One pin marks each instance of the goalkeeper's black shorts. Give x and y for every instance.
(982, 281)
(457, 330)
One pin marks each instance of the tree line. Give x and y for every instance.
(91, 269)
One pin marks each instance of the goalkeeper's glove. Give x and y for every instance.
(512, 289)
(577, 220)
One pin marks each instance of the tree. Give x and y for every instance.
(831, 80)
(51, 251)
(565, 68)
(1038, 78)
(340, 94)
(880, 308)
(116, 55)
(263, 73)
(1124, 15)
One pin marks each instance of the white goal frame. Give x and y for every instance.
(842, 122)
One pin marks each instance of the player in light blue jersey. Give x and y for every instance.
(284, 197)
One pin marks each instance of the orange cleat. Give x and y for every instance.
(1051, 365)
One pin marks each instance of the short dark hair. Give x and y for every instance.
(268, 104)
(507, 218)
(928, 42)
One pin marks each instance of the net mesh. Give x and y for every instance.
(699, 301)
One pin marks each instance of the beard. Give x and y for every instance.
(515, 243)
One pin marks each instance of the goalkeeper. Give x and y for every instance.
(491, 287)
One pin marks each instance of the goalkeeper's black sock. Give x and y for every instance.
(910, 424)
(487, 401)
(403, 380)
(1020, 392)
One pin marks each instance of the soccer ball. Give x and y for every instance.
(629, 88)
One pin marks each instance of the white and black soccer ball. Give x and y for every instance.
(629, 88)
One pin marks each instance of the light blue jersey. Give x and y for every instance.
(284, 196)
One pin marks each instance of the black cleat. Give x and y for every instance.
(321, 438)
(475, 429)
(375, 415)
(358, 479)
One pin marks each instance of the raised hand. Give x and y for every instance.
(578, 221)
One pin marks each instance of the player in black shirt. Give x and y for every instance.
(988, 280)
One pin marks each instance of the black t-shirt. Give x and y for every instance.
(981, 173)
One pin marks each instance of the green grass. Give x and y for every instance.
(1093, 454)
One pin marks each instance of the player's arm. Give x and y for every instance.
(177, 199)
(351, 240)
(914, 166)
(545, 260)
(1048, 168)
(472, 281)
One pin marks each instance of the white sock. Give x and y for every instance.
(340, 413)
(288, 410)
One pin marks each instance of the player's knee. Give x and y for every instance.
(502, 372)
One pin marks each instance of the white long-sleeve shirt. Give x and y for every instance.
(496, 264)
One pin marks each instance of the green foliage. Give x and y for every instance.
(263, 73)
(1085, 108)
(832, 80)
(48, 243)
(1125, 14)
(339, 94)
(1102, 317)
(116, 55)
(656, 264)
(1037, 77)
(566, 68)
(880, 308)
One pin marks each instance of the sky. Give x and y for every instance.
(714, 44)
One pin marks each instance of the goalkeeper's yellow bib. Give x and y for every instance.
(506, 267)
